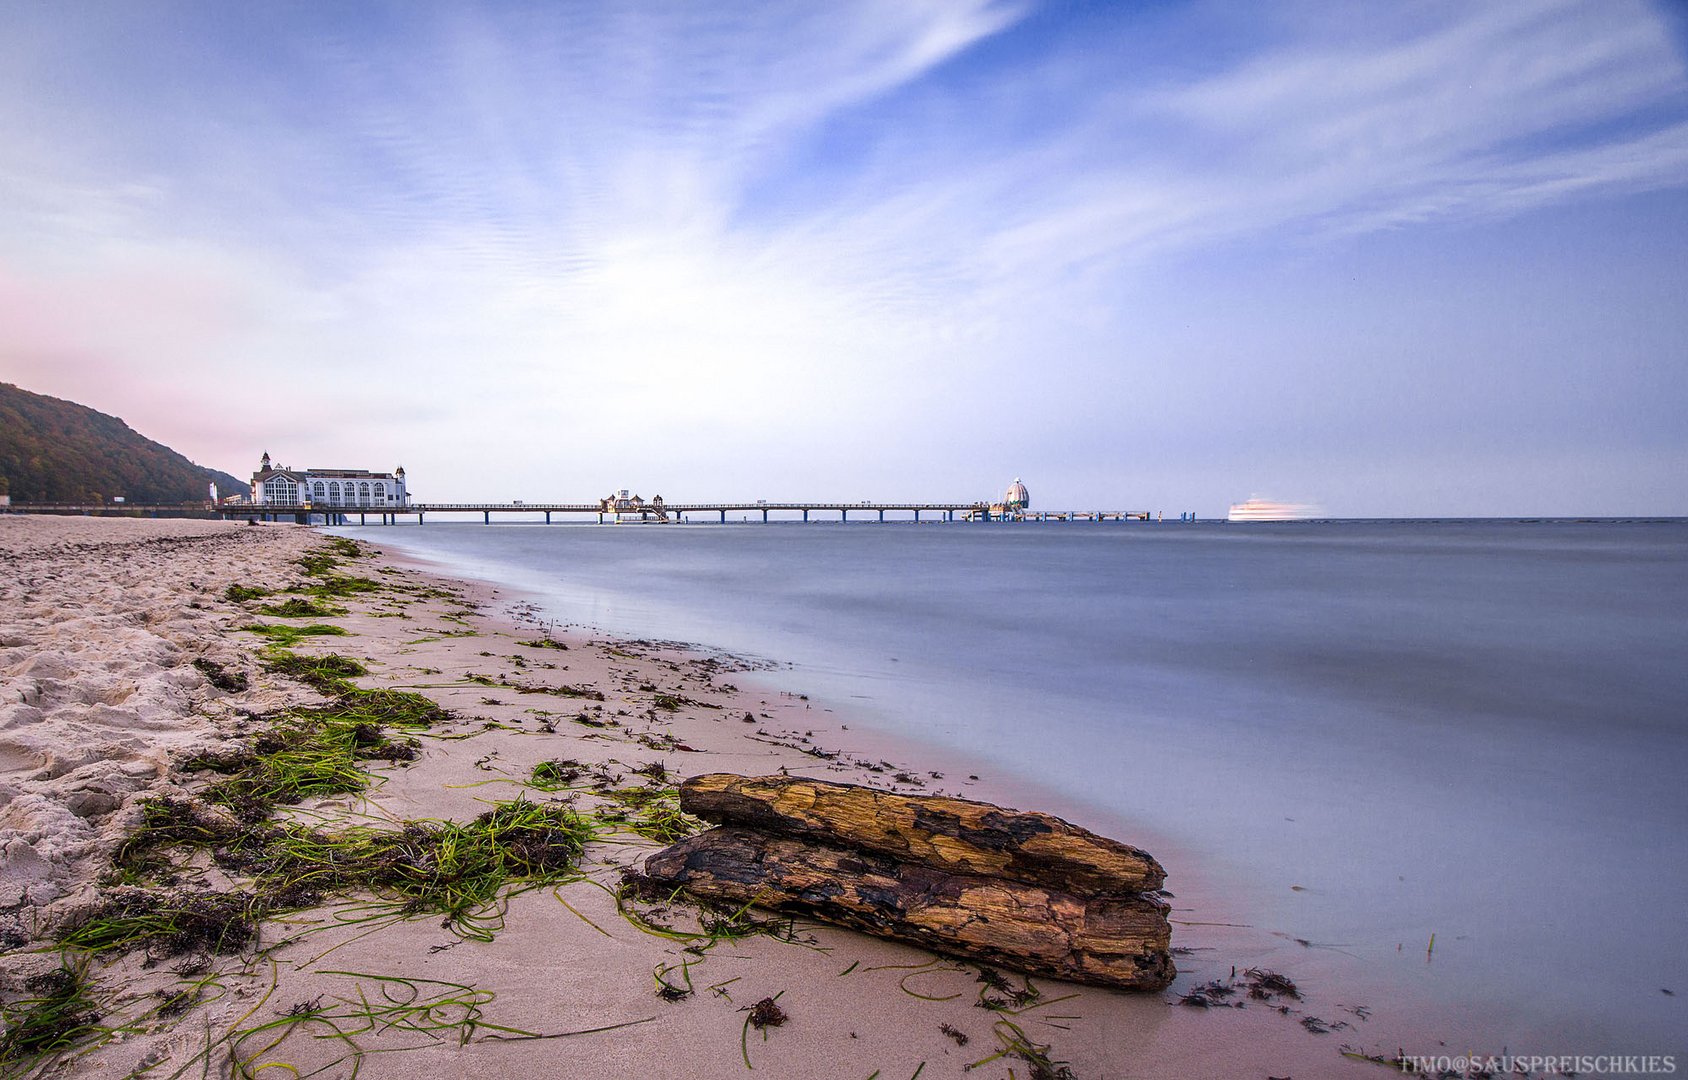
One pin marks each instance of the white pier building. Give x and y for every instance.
(281, 485)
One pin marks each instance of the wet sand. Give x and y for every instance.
(101, 703)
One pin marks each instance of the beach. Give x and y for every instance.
(1353, 738)
(104, 706)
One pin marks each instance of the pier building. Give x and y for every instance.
(1015, 502)
(282, 485)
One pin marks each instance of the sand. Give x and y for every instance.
(99, 624)
(100, 703)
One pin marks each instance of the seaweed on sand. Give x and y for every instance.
(763, 1015)
(285, 635)
(167, 923)
(1264, 985)
(60, 1014)
(344, 547)
(998, 994)
(219, 676)
(766, 1014)
(445, 868)
(327, 673)
(301, 607)
(167, 822)
(339, 585)
(307, 752)
(396, 708)
(1212, 994)
(458, 870)
(652, 811)
(1013, 1042)
(555, 775)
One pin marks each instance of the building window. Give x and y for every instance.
(279, 489)
(363, 493)
(334, 493)
(319, 491)
(380, 492)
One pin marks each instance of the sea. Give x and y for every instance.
(1440, 768)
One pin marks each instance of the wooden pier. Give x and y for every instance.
(676, 513)
(669, 513)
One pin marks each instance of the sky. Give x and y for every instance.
(1417, 259)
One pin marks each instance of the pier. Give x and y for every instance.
(654, 513)
(649, 513)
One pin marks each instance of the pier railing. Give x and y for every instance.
(618, 511)
(679, 512)
(303, 513)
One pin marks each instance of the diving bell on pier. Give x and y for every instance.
(1017, 497)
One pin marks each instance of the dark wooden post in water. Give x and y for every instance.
(764, 517)
(723, 517)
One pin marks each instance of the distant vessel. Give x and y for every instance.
(1257, 509)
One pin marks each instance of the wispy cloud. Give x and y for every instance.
(796, 211)
(1492, 112)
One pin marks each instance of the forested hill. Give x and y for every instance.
(58, 451)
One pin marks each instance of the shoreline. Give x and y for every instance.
(1356, 742)
(567, 959)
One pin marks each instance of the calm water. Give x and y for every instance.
(1358, 734)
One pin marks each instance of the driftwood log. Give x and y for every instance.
(1026, 890)
(1108, 940)
(957, 835)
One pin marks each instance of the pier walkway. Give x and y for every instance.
(653, 514)
(669, 512)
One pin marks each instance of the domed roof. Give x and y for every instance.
(1017, 495)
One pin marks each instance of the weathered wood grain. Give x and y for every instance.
(1116, 941)
(956, 835)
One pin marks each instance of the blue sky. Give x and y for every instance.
(1418, 259)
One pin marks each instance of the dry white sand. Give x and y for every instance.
(100, 621)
